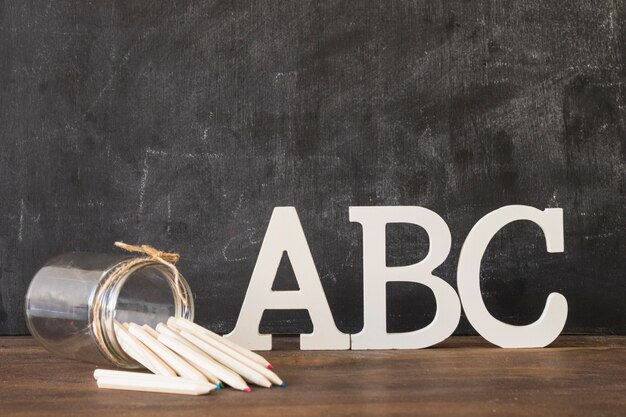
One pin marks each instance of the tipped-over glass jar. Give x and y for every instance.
(73, 300)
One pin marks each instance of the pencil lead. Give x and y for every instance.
(217, 388)
(269, 366)
(283, 385)
(247, 389)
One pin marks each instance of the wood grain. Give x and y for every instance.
(578, 375)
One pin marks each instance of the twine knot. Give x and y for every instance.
(150, 251)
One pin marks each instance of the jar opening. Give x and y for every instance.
(144, 294)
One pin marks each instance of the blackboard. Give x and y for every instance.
(183, 124)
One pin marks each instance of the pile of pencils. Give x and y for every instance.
(185, 358)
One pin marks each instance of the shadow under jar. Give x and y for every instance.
(61, 297)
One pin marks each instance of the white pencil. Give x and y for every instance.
(130, 351)
(147, 358)
(252, 355)
(163, 329)
(156, 384)
(178, 364)
(175, 333)
(140, 353)
(247, 373)
(203, 362)
(110, 373)
(212, 378)
(150, 331)
(239, 357)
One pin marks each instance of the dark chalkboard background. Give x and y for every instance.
(182, 124)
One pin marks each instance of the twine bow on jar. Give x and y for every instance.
(150, 251)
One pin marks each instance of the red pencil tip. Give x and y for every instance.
(270, 366)
(247, 390)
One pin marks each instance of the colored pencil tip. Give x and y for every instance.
(247, 390)
(270, 366)
(217, 388)
(221, 385)
(283, 385)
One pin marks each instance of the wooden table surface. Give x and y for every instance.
(577, 375)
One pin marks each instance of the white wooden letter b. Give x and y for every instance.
(376, 274)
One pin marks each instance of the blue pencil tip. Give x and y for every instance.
(217, 387)
(283, 385)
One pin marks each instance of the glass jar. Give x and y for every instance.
(61, 297)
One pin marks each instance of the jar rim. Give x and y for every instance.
(105, 301)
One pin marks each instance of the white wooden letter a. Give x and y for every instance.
(284, 233)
